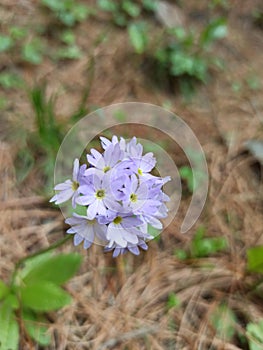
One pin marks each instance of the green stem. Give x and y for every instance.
(43, 251)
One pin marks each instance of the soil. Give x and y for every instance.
(122, 303)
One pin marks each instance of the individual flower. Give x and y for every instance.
(69, 188)
(139, 197)
(102, 163)
(97, 196)
(124, 231)
(85, 230)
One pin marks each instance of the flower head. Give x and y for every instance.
(119, 194)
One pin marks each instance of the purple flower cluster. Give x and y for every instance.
(120, 196)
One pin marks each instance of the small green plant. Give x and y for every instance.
(34, 290)
(32, 51)
(125, 11)
(255, 259)
(40, 147)
(10, 80)
(255, 335)
(70, 49)
(138, 36)
(202, 246)
(45, 141)
(186, 174)
(186, 56)
(22, 45)
(223, 319)
(173, 301)
(180, 53)
(68, 12)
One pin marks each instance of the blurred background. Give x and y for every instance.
(62, 59)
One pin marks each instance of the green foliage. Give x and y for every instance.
(36, 327)
(35, 289)
(68, 12)
(185, 55)
(9, 334)
(138, 36)
(5, 43)
(56, 269)
(71, 52)
(224, 320)
(255, 335)
(32, 51)
(3, 289)
(186, 174)
(18, 44)
(43, 296)
(255, 259)
(215, 30)
(154, 232)
(180, 53)
(10, 80)
(44, 143)
(173, 301)
(125, 11)
(180, 254)
(202, 246)
(205, 246)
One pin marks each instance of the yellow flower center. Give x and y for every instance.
(140, 171)
(100, 194)
(133, 197)
(117, 220)
(91, 222)
(107, 168)
(75, 185)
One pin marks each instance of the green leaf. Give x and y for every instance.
(180, 254)
(18, 32)
(255, 335)
(255, 259)
(108, 5)
(5, 43)
(10, 80)
(32, 263)
(131, 8)
(154, 232)
(149, 5)
(173, 301)
(217, 29)
(68, 37)
(4, 290)
(56, 269)
(9, 330)
(203, 247)
(80, 12)
(32, 51)
(138, 36)
(186, 173)
(37, 327)
(223, 320)
(44, 296)
(71, 52)
(12, 301)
